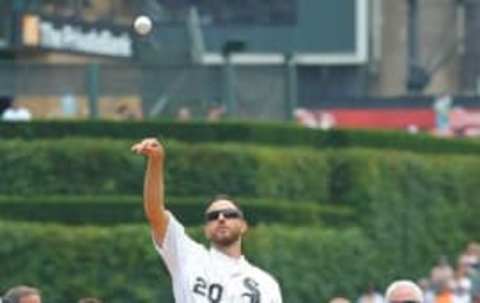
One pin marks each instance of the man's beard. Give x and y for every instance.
(226, 240)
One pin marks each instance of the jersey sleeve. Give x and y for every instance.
(277, 294)
(177, 247)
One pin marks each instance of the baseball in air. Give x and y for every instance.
(142, 25)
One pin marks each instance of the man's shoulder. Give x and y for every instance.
(176, 237)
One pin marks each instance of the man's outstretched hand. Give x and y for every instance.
(149, 147)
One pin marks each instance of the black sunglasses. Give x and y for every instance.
(228, 213)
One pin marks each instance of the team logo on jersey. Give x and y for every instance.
(254, 295)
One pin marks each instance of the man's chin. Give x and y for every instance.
(224, 241)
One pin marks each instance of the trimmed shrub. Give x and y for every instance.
(107, 167)
(120, 265)
(422, 205)
(278, 134)
(411, 206)
(349, 177)
(108, 210)
(358, 174)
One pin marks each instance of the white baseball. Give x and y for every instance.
(142, 25)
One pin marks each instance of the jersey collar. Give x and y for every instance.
(224, 258)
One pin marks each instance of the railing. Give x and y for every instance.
(98, 90)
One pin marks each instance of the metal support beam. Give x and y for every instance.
(229, 86)
(417, 77)
(92, 88)
(291, 87)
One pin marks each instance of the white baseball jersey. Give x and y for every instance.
(200, 275)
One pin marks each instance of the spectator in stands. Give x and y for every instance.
(370, 295)
(462, 291)
(445, 292)
(412, 129)
(441, 273)
(124, 112)
(326, 120)
(16, 113)
(403, 291)
(184, 114)
(470, 257)
(5, 102)
(215, 113)
(474, 275)
(428, 293)
(442, 106)
(305, 117)
(462, 281)
(22, 294)
(69, 105)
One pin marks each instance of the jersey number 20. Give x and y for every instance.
(213, 292)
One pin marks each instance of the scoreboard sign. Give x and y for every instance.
(73, 36)
(322, 32)
(312, 32)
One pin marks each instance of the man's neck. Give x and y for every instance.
(234, 250)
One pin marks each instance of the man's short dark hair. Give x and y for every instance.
(5, 102)
(224, 197)
(15, 294)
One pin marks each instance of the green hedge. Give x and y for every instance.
(105, 166)
(423, 202)
(108, 210)
(359, 177)
(119, 264)
(350, 177)
(240, 132)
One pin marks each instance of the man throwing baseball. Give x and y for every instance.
(220, 274)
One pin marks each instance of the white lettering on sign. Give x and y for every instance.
(74, 38)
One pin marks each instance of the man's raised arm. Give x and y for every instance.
(153, 190)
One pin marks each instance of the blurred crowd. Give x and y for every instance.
(455, 284)
(445, 283)
(27, 294)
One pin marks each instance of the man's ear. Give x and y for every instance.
(206, 233)
(244, 227)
